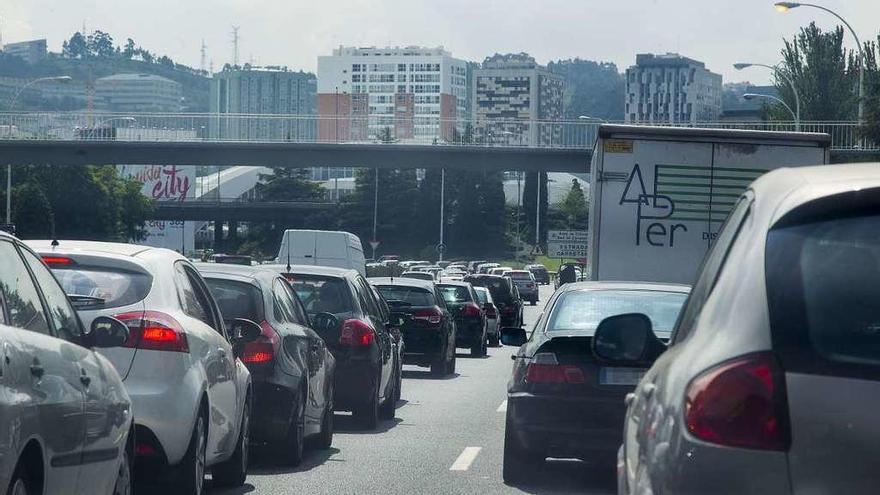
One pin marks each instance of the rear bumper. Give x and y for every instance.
(273, 408)
(354, 384)
(469, 332)
(422, 346)
(529, 294)
(509, 319)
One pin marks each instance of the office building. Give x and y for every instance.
(416, 93)
(671, 89)
(137, 93)
(31, 51)
(514, 99)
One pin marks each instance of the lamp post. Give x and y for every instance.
(587, 117)
(779, 73)
(786, 6)
(130, 120)
(752, 96)
(11, 107)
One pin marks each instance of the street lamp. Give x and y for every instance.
(788, 79)
(786, 6)
(752, 96)
(130, 120)
(10, 108)
(587, 117)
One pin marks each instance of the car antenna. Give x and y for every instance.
(288, 252)
(54, 242)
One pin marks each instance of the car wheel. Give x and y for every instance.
(293, 447)
(485, 348)
(233, 472)
(325, 439)
(517, 460)
(477, 349)
(123, 476)
(494, 341)
(21, 484)
(191, 477)
(388, 408)
(368, 414)
(398, 390)
(440, 366)
(450, 369)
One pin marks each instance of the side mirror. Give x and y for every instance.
(627, 340)
(243, 330)
(107, 331)
(513, 336)
(324, 322)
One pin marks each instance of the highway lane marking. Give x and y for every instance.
(503, 406)
(464, 461)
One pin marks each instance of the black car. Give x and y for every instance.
(429, 328)
(561, 401)
(470, 318)
(368, 364)
(291, 367)
(505, 296)
(542, 276)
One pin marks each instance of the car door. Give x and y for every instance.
(105, 413)
(45, 381)
(383, 337)
(216, 355)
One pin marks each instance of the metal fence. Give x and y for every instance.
(569, 134)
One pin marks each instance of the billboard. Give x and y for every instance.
(166, 183)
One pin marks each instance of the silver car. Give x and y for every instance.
(771, 382)
(65, 417)
(525, 284)
(191, 393)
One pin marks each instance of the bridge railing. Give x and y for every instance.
(417, 129)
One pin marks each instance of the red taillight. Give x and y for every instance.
(57, 260)
(530, 285)
(430, 316)
(545, 369)
(470, 309)
(740, 403)
(356, 333)
(154, 331)
(262, 349)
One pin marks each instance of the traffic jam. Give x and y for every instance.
(751, 371)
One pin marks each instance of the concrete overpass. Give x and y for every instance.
(235, 211)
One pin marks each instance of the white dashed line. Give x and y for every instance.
(464, 461)
(502, 407)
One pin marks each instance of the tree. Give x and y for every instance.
(129, 49)
(574, 207)
(871, 129)
(76, 47)
(592, 88)
(100, 44)
(288, 184)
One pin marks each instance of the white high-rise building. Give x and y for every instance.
(671, 89)
(415, 92)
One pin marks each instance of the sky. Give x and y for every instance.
(294, 32)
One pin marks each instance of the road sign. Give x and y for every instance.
(580, 236)
(567, 243)
(374, 244)
(441, 248)
(537, 251)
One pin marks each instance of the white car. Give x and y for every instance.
(190, 392)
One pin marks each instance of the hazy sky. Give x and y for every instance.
(295, 32)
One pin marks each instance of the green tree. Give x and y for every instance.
(592, 88)
(76, 47)
(288, 184)
(574, 207)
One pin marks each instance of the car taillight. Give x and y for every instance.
(356, 333)
(508, 309)
(740, 403)
(262, 349)
(490, 312)
(471, 309)
(154, 331)
(544, 368)
(431, 316)
(57, 260)
(530, 285)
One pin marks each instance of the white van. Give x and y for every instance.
(322, 248)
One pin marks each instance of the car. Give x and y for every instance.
(292, 369)
(429, 329)
(568, 273)
(483, 268)
(561, 401)
(419, 275)
(368, 359)
(499, 270)
(770, 380)
(62, 400)
(542, 276)
(470, 318)
(322, 248)
(504, 295)
(231, 259)
(472, 266)
(525, 284)
(190, 391)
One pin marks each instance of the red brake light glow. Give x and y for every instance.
(356, 333)
(545, 369)
(57, 260)
(154, 331)
(430, 316)
(471, 309)
(262, 350)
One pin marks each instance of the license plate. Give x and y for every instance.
(620, 376)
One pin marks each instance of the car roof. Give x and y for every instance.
(620, 285)
(404, 282)
(456, 283)
(91, 247)
(313, 270)
(257, 272)
(485, 275)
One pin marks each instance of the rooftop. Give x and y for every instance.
(410, 50)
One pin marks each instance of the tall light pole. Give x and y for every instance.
(442, 209)
(779, 73)
(375, 209)
(786, 6)
(538, 212)
(752, 96)
(11, 107)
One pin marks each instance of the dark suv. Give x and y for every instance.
(542, 276)
(470, 319)
(505, 296)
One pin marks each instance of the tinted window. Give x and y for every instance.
(412, 295)
(22, 300)
(498, 287)
(455, 293)
(585, 309)
(61, 313)
(321, 294)
(519, 275)
(111, 288)
(237, 299)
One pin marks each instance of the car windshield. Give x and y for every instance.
(583, 310)
(412, 295)
(236, 299)
(455, 294)
(105, 288)
(321, 294)
(497, 286)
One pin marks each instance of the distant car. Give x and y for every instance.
(322, 248)
(418, 275)
(61, 400)
(470, 318)
(429, 329)
(542, 276)
(772, 374)
(368, 361)
(232, 259)
(484, 268)
(389, 257)
(499, 270)
(472, 266)
(291, 367)
(493, 327)
(525, 284)
(561, 401)
(181, 366)
(505, 297)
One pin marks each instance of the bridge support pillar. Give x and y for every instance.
(218, 236)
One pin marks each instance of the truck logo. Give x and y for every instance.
(651, 208)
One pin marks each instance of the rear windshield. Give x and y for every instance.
(237, 299)
(321, 294)
(823, 284)
(418, 275)
(520, 275)
(481, 295)
(109, 288)
(455, 293)
(412, 295)
(583, 310)
(497, 287)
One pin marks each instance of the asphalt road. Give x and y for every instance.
(447, 438)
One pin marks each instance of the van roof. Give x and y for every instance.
(637, 131)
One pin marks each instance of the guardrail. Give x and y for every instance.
(427, 129)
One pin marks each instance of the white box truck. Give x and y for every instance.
(323, 248)
(659, 195)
